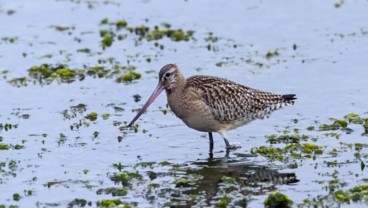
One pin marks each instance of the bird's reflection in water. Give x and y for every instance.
(250, 179)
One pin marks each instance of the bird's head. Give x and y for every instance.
(169, 79)
(169, 76)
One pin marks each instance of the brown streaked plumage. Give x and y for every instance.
(212, 104)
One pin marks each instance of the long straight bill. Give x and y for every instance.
(150, 100)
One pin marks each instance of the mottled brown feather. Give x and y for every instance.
(230, 101)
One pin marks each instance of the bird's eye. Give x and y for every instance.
(168, 74)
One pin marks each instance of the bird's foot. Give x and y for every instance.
(234, 146)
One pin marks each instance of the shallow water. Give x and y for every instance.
(326, 69)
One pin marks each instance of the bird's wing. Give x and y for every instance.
(230, 101)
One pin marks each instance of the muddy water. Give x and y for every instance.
(313, 49)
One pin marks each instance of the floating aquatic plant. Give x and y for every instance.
(277, 199)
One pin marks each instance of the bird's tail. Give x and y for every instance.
(289, 98)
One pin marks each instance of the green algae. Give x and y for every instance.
(104, 21)
(85, 171)
(145, 164)
(182, 182)
(134, 127)
(16, 197)
(293, 150)
(118, 166)
(65, 73)
(4, 146)
(121, 23)
(125, 178)
(112, 203)
(344, 123)
(165, 163)
(179, 35)
(243, 202)
(353, 118)
(97, 71)
(153, 185)
(286, 138)
(53, 183)
(358, 193)
(9, 39)
(92, 116)
(45, 74)
(63, 28)
(107, 40)
(105, 116)
(45, 56)
(271, 54)
(4, 206)
(366, 125)
(18, 146)
(84, 50)
(79, 203)
(211, 38)
(8, 126)
(223, 202)
(19, 81)
(42, 72)
(277, 199)
(114, 191)
(226, 179)
(337, 195)
(143, 32)
(339, 4)
(128, 77)
(186, 181)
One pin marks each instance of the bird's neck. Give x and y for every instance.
(174, 96)
(179, 86)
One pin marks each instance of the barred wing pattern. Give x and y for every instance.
(230, 101)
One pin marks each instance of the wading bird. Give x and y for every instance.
(212, 104)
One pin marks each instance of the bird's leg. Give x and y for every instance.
(228, 146)
(211, 143)
(227, 152)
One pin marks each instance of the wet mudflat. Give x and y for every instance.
(74, 73)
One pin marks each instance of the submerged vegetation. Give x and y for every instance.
(118, 30)
(45, 74)
(277, 199)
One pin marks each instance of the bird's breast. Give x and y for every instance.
(193, 111)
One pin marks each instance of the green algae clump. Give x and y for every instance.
(128, 77)
(107, 40)
(277, 199)
(223, 202)
(98, 71)
(92, 116)
(114, 191)
(293, 150)
(355, 194)
(121, 24)
(353, 118)
(43, 71)
(4, 146)
(271, 54)
(125, 178)
(366, 125)
(65, 73)
(112, 203)
(230, 180)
